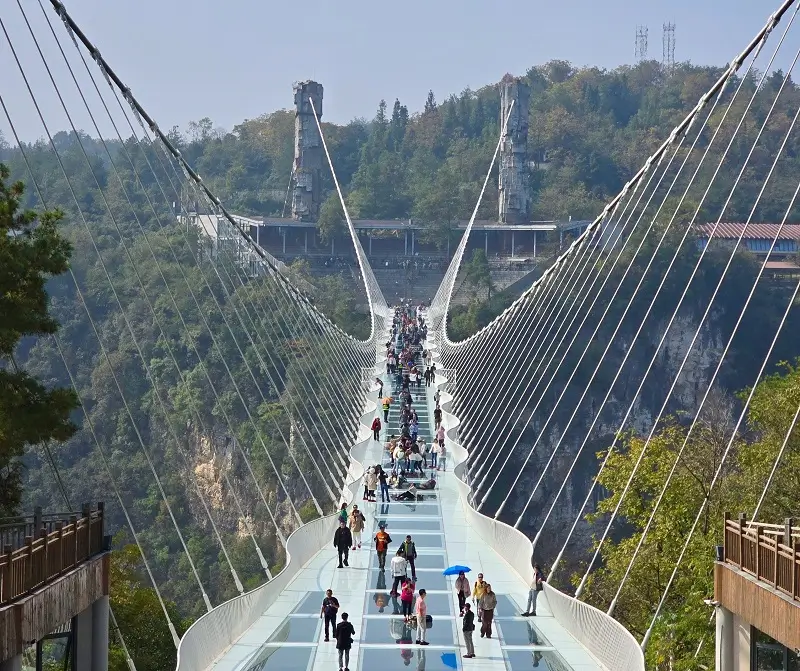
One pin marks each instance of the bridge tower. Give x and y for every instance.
(514, 196)
(307, 168)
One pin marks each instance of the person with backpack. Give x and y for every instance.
(382, 541)
(343, 513)
(330, 607)
(410, 553)
(356, 524)
(536, 587)
(344, 641)
(342, 540)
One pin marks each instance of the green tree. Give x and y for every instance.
(331, 221)
(140, 617)
(31, 251)
(477, 273)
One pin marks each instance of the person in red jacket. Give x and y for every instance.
(376, 428)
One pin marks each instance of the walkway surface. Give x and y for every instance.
(289, 635)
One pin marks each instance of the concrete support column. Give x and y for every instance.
(284, 241)
(100, 610)
(725, 640)
(370, 244)
(306, 242)
(534, 244)
(486, 245)
(13, 664)
(405, 237)
(512, 244)
(82, 639)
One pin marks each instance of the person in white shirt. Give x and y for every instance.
(399, 566)
(435, 450)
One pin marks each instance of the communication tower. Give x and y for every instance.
(640, 50)
(668, 47)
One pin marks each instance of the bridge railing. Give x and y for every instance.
(38, 549)
(607, 640)
(211, 635)
(768, 552)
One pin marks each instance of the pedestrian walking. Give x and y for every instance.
(344, 641)
(462, 591)
(384, 485)
(386, 403)
(376, 428)
(399, 567)
(536, 587)
(488, 604)
(380, 386)
(342, 540)
(371, 480)
(410, 553)
(356, 524)
(437, 416)
(468, 626)
(421, 611)
(477, 593)
(330, 607)
(382, 541)
(407, 599)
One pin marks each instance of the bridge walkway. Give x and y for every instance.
(289, 635)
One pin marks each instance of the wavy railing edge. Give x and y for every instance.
(613, 646)
(214, 632)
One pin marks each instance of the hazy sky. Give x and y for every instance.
(235, 59)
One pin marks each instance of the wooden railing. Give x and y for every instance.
(768, 552)
(49, 548)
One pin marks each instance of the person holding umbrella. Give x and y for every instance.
(462, 591)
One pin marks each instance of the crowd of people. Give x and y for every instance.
(407, 456)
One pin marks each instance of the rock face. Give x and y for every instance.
(514, 196)
(308, 153)
(553, 433)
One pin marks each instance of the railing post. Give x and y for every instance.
(725, 537)
(37, 520)
(787, 531)
(28, 568)
(60, 529)
(742, 521)
(758, 553)
(795, 570)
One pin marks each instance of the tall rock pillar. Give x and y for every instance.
(308, 153)
(514, 197)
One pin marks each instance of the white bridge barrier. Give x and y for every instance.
(213, 633)
(613, 646)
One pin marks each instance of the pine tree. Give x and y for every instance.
(31, 250)
(430, 103)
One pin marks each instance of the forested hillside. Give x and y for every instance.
(590, 130)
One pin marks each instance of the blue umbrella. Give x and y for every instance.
(449, 660)
(455, 570)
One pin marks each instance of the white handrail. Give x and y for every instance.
(212, 634)
(613, 646)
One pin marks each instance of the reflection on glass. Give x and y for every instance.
(381, 600)
(429, 580)
(413, 658)
(281, 658)
(296, 630)
(438, 604)
(309, 604)
(506, 607)
(516, 632)
(527, 659)
(415, 524)
(771, 655)
(395, 630)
